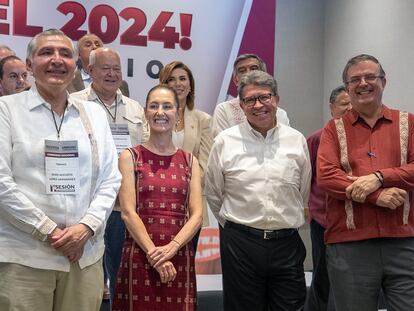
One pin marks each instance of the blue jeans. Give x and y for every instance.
(114, 241)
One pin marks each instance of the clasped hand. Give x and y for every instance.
(70, 241)
(365, 185)
(362, 187)
(160, 254)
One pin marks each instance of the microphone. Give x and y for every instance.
(371, 154)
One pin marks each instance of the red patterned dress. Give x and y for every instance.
(163, 185)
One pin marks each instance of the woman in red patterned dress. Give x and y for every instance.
(161, 205)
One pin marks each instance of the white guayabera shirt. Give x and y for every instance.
(27, 213)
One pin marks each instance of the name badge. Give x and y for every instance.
(120, 134)
(62, 167)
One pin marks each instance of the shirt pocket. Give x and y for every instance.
(28, 152)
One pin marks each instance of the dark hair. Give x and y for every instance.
(166, 73)
(4, 61)
(258, 78)
(335, 93)
(360, 58)
(262, 64)
(162, 87)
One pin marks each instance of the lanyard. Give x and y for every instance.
(113, 117)
(58, 128)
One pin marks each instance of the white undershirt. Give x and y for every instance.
(178, 138)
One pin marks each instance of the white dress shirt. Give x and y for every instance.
(128, 111)
(259, 182)
(27, 213)
(229, 113)
(86, 78)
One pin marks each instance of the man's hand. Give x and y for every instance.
(391, 197)
(159, 255)
(362, 187)
(167, 272)
(71, 240)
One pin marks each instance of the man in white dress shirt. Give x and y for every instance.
(58, 181)
(129, 128)
(257, 183)
(229, 113)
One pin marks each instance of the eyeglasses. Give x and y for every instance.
(263, 99)
(368, 78)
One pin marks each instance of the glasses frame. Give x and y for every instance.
(257, 98)
(367, 78)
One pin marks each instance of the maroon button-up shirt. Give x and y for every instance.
(317, 202)
(369, 149)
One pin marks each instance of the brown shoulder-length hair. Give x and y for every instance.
(165, 73)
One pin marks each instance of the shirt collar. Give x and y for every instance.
(385, 113)
(92, 96)
(257, 134)
(38, 100)
(85, 75)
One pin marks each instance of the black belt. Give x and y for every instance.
(264, 234)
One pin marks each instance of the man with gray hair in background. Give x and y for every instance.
(58, 181)
(318, 294)
(257, 184)
(82, 79)
(5, 51)
(229, 113)
(129, 128)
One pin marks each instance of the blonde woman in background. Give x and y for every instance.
(192, 130)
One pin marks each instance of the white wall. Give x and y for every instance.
(382, 28)
(314, 40)
(299, 61)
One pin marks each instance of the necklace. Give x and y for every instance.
(179, 123)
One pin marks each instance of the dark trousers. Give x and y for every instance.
(261, 274)
(358, 270)
(318, 294)
(114, 241)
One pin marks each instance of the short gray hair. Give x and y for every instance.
(257, 78)
(5, 47)
(262, 64)
(33, 44)
(92, 55)
(360, 58)
(335, 93)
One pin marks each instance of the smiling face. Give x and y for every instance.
(180, 82)
(261, 116)
(106, 72)
(14, 77)
(161, 110)
(365, 85)
(53, 63)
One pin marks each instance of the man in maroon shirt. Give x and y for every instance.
(366, 166)
(318, 295)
